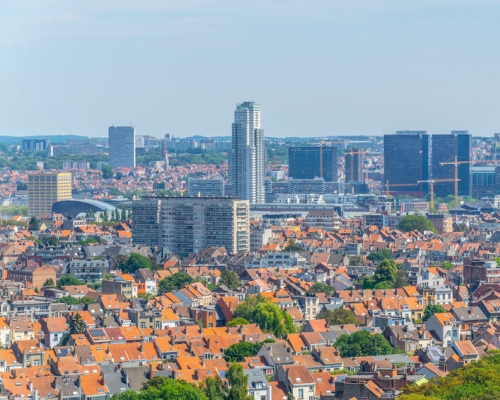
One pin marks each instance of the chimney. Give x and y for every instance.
(30, 385)
(141, 347)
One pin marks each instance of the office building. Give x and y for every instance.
(444, 149)
(44, 189)
(484, 181)
(121, 141)
(185, 225)
(206, 187)
(406, 161)
(30, 145)
(309, 162)
(246, 170)
(442, 222)
(353, 165)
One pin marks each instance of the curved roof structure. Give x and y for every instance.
(71, 208)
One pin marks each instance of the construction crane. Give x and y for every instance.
(456, 163)
(387, 191)
(431, 183)
(351, 153)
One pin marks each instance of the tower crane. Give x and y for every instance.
(431, 183)
(456, 163)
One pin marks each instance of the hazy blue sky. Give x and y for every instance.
(318, 67)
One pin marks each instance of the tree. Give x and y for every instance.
(70, 300)
(50, 240)
(238, 383)
(401, 279)
(416, 223)
(136, 261)
(363, 343)
(448, 265)
(238, 322)
(379, 255)
(382, 285)
(478, 380)
(356, 260)
(432, 309)
(238, 351)
(459, 227)
(77, 325)
(293, 246)
(68, 280)
(213, 388)
(174, 282)
(49, 283)
(386, 272)
(160, 388)
(107, 172)
(230, 279)
(34, 224)
(272, 319)
(124, 214)
(339, 316)
(105, 215)
(129, 216)
(319, 287)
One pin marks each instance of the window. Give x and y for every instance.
(301, 393)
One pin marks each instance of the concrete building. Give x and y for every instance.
(353, 165)
(31, 145)
(206, 187)
(88, 270)
(121, 146)
(259, 237)
(327, 220)
(33, 275)
(187, 225)
(44, 189)
(246, 158)
(442, 222)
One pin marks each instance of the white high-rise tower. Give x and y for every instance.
(247, 155)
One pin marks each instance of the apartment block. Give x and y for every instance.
(44, 189)
(187, 225)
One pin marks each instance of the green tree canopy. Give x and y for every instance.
(478, 380)
(34, 224)
(379, 255)
(136, 261)
(49, 283)
(68, 280)
(238, 351)
(160, 388)
(70, 300)
(230, 279)
(319, 287)
(174, 282)
(416, 223)
(107, 172)
(238, 322)
(293, 246)
(432, 309)
(386, 271)
(339, 316)
(363, 343)
(268, 315)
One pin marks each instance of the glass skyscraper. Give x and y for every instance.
(304, 162)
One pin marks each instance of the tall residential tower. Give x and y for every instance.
(121, 146)
(247, 155)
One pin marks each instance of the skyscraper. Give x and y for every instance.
(309, 162)
(444, 149)
(353, 165)
(44, 189)
(121, 146)
(406, 161)
(246, 158)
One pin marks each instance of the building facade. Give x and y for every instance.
(31, 145)
(444, 149)
(309, 162)
(353, 165)
(121, 146)
(246, 158)
(187, 225)
(206, 187)
(406, 161)
(44, 189)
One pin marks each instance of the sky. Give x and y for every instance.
(317, 67)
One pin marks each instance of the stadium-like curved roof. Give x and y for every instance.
(71, 208)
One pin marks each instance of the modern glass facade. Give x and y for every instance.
(406, 161)
(304, 163)
(353, 165)
(444, 149)
(121, 146)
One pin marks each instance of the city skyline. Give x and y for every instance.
(318, 68)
